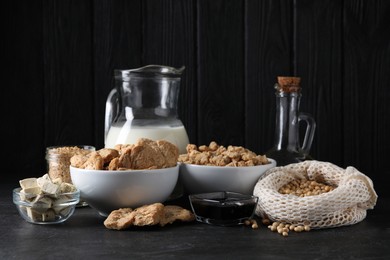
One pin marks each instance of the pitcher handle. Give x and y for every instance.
(111, 111)
(309, 134)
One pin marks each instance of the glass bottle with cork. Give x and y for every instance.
(287, 148)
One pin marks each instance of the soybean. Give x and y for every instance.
(303, 188)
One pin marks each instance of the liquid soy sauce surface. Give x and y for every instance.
(225, 209)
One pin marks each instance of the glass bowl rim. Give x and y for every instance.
(73, 199)
(204, 197)
(19, 189)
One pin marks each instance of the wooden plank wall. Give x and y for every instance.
(60, 56)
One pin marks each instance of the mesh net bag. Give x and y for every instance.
(347, 204)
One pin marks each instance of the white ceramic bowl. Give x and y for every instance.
(106, 191)
(201, 178)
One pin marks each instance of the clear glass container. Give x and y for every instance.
(223, 208)
(287, 148)
(58, 162)
(143, 104)
(61, 206)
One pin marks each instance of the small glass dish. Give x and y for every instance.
(223, 208)
(45, 208)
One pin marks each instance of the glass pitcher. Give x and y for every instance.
(143, 104)
(287, 148)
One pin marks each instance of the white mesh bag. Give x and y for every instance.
(347, 204)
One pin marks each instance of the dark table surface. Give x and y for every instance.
(84, 236)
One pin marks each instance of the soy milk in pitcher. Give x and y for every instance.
(143, 104)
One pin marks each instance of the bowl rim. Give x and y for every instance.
(198, 197)
(19, 189)
(81, 146)
(73, 197)
(272, 162)
(122, 171)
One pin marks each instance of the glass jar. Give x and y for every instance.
(58, 160)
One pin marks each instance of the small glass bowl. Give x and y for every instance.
(45, 208)
(223, 208)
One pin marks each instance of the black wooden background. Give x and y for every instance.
(60, 57)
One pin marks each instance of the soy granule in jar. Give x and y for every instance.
(58, 160)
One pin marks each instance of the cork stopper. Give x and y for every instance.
(288, 84)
